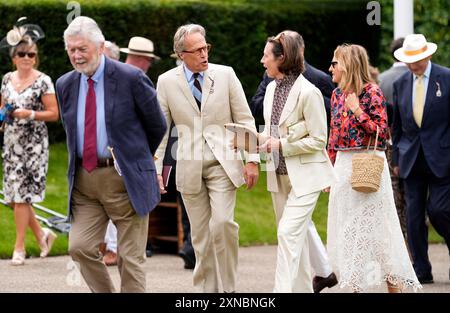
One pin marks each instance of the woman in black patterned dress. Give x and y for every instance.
(25, 152)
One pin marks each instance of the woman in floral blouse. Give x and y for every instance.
(365, 242)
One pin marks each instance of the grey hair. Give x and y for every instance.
(85, 27)
(113, 49)
(182, 32)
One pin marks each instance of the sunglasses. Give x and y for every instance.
(333, 64)
(22, 54)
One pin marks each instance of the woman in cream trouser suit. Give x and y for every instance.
(298, 167)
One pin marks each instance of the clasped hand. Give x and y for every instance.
(271, 144)
(352, 103)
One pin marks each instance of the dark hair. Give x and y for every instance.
(396, 44)
(28, 43)
(289, 45)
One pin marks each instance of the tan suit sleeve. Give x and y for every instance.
(316, 126)
(162, 99)
(240, 110)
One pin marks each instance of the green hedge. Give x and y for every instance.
(237, 30)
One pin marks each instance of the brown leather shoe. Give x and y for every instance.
(110, 258)
(320, 283)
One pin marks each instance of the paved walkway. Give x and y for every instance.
(165, 273)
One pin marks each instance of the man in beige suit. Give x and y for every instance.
(200, 98)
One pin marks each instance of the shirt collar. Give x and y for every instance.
(99, 72)
(427, 72)
(189, 74)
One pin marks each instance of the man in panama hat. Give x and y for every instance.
(140, 53)
(421, 134)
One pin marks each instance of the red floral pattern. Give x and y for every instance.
(350, 133)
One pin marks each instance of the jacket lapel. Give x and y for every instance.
(208, 86)
(268, 104)
(72, 103)
(184, 86)
(110, 84)
(431, 92)
(291, 101)
(408, 99)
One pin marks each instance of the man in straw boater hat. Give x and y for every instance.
(421, 133)
(140, 53)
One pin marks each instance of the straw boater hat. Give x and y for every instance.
(415, 48)
(140, 46)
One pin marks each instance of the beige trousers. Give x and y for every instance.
(293, 269)
(213, 230)
(97, 197)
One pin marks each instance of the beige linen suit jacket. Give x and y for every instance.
(303, 137)
(223, 101)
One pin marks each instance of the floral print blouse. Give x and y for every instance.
(350, 133)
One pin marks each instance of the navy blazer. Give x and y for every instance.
(434, 135)
(135, 127)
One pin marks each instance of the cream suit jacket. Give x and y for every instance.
(223, 101)
(303, 137)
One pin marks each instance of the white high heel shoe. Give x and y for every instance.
(18, 258)
(47, 242)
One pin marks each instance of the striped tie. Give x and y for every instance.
(197, 91)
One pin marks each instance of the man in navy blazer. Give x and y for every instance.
(421, 156)
(113, 124)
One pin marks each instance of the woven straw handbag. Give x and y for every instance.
(367, 169)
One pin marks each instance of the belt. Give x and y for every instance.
(100, 162)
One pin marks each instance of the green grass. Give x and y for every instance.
(254, 212)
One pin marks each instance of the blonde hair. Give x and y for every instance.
(353, 62)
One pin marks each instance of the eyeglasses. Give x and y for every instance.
(333, 64)
(22, 54)
(199, 51)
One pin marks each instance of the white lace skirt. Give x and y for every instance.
(365, 243)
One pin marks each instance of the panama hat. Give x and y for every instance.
(415, 48)
(140, 46)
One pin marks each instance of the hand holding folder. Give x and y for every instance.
(245, 137)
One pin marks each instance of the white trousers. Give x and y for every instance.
(299, 244)
(111, 237)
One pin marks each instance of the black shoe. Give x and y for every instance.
(148, 250)
(148, 253)
(189, 259)
(427, 279)
(320, 283)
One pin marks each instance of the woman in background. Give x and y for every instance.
(25, 153)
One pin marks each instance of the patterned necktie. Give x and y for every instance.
(419, 100)
(197, 91)
(90, 130)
